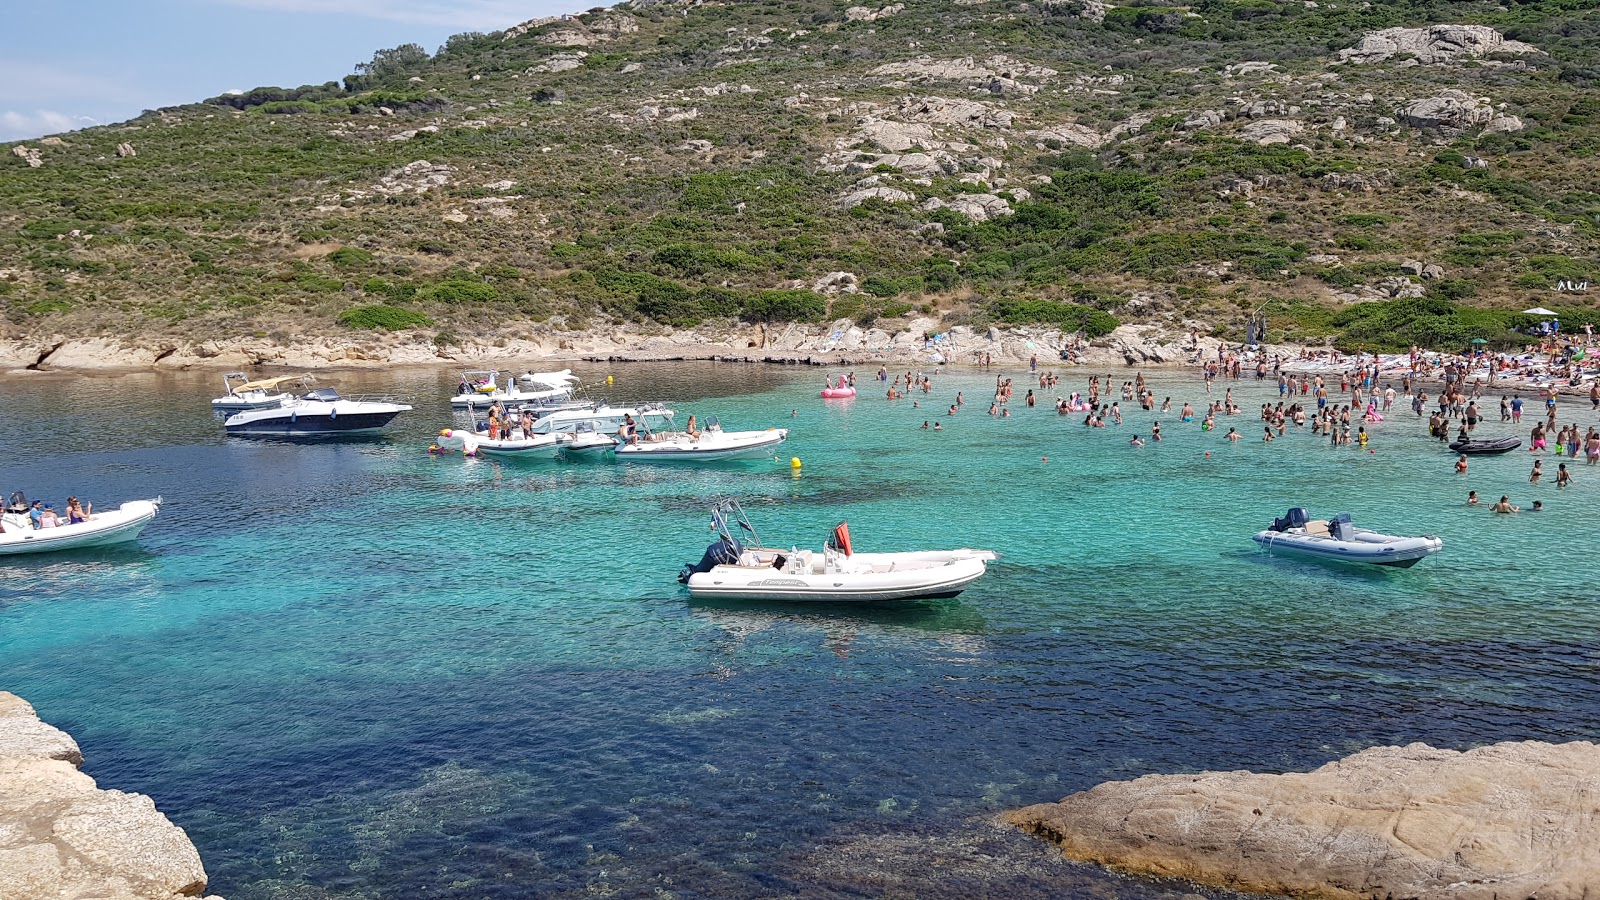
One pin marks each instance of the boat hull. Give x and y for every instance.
(103, 530)
(313, 425)
(721, 447)
(753, 583)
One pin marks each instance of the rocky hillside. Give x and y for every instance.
(667, 162)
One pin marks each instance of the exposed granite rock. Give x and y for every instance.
(1272, 131)
(61, 836)
(1433, 45)
(1509, 820)
(1454, 111)
(866, 14)
(887, 195)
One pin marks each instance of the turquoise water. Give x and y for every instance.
(353, 670)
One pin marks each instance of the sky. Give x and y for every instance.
(68, 64)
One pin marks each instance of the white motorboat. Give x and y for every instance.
(517, 446)
(477, 390)
(1337, 540)
(733, 570)
(709, 445)
(585, 441)
(103, 529)
(264, 394)
(605, 418)
(320, 413)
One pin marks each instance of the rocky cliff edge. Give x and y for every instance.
(63, 838)
(1510, 820)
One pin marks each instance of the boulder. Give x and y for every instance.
(61, 836)
(977, 207)
(560, 62)
(1411, 267)
(887, 195)
(963, 113)
(865, 14)
(1456, 111)
(29, 155)
(1272, 131)
(1432, 271)
(125, 150)
(1432, 45)
(1067, 135)
(837, 283)
(1205, 118)
(1510, 820)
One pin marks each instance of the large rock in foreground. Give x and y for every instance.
(1512, 820)
(62, 837)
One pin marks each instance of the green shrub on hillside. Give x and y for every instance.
(386, 318)
(350, 257)
(1394, 325)
(784, 306)
(1066, 316)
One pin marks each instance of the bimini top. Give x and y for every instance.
(267, 384)
(327, 395)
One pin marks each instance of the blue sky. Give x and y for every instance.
(69, 63)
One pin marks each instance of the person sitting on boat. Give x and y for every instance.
(78, 512)
(36, 514)
(629, 432)
(48, 518)
(690, 429)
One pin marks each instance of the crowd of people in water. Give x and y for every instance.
(1343, 408)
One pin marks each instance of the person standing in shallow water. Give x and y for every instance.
(1538, 471)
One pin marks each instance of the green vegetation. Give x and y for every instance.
(387, 318)
(705, 186)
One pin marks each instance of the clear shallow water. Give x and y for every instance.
(352, 670)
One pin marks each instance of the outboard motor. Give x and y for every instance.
(723, 551)
(1296, 517)
(1341, 528)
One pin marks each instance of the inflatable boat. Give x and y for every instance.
(711, 444)
(1337, 540)
(538, 446)
(733, 570)
(104, 528)
(1486, 446)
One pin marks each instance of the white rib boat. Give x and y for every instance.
(103, 529)
(604, 418)
(587, 442)
(731, 570)
(518, 446)
(710, 445)
(1337, 540)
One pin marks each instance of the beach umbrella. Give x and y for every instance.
(1479, 341)
(1539, 311)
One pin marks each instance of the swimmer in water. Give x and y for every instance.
(924, 424)
(1461, 466)
(1504, 506)
(938, 427)
(1135, 441)
(1234, 435)
(1563, 477)
(1155, 431)
(1266, 438)
(1472, 498)
(1538, 472)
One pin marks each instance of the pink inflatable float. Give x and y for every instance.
(842, 389)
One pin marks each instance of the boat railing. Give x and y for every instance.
(376, 398)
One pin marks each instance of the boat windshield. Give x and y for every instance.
(327, 395)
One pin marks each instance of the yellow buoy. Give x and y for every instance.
(610, 380)
(794, 462)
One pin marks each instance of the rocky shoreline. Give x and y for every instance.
(62, 836)
(1509, 820)
(841, 343)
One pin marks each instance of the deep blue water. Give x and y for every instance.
(354, 670)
